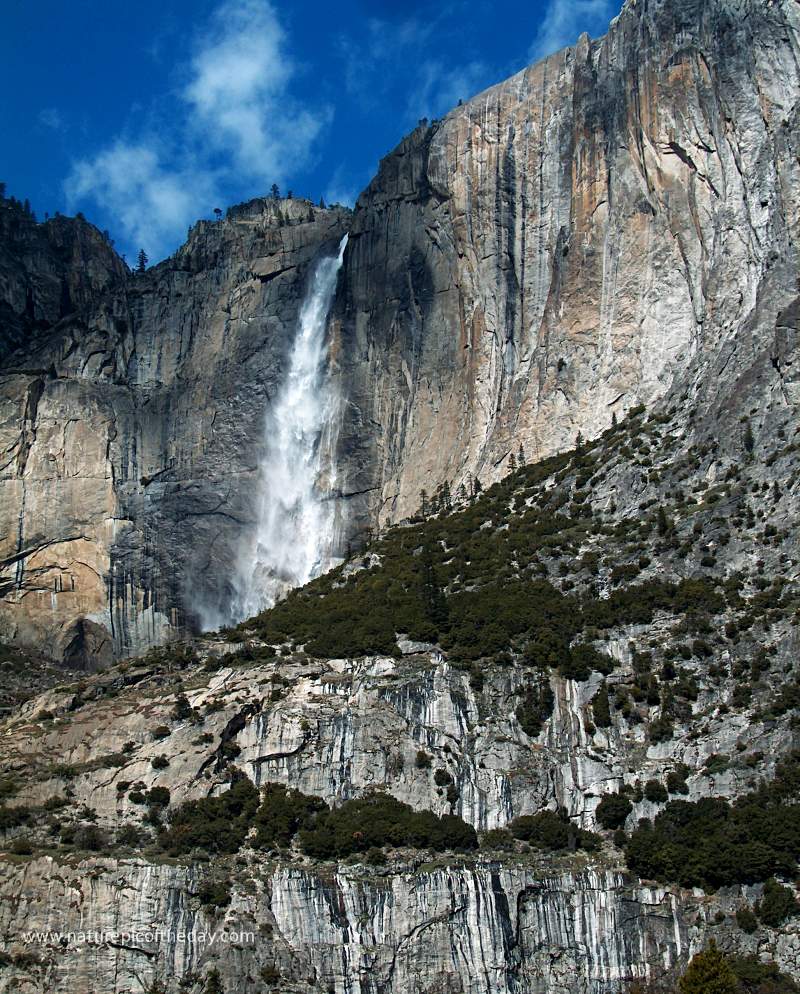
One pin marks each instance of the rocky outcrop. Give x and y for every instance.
(132, 420)
(504, 921)
(461, 929)
(612, 223)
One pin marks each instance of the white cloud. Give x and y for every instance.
(566, 20)
(234, 118)
(152, 203)
(238, 93)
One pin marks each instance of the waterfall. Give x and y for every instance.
(295, 532)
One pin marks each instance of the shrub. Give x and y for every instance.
(709, 973)
(536, 707)
(551, 831)
(423, 760)
(159, 762)
(498, 839)
(757, 977)
(660, 730)
(711, 843)
(14, 817)
(161, 732)
(182, 709)
(22, 846)
(600, 707)
(282, 813)
(582, 660)
(777, 904)
(214, 893)
(157, 796)
(746, 919)
(613, 810)
(379, 820)
(216, 824)
(655, 791)
(676, 783)
(129, 835)
(89, 837)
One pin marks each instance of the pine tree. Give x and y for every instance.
(141, 261)
(446, 500)
(709, 973)
(578, 442)
(613, 419)
(478, 487)
(423, 503)
(276, 193)
(218, 213)
(512, 463)
(322, 203)
(521, 461)
(662, 522)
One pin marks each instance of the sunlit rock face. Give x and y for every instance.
(132, 424)
(614, 220)
(472, 930)
(610, 226)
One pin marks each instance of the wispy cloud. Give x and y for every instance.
(566, 20)
(343, 188)
(51, 117)
(234, 116)
(151, 202)
(392, 52)
(439, 88)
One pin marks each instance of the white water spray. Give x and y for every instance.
(295, 533)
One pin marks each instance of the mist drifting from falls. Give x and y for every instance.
(296, 525)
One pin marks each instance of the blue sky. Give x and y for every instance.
(148, 115)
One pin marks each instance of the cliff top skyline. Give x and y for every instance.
(162, 114)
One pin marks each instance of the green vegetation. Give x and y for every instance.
(709, 973)
(216, 824)
(552, 831)
(613, 810)
(777, 904)
(712, 972)
(281, 815)
(379, 820)
(711, 843)
(536, 707)
(474, 581)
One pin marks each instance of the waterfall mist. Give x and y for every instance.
(295, 535)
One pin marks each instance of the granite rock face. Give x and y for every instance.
(613, 225)
(613, 221)
(132, 420)
(513, 922)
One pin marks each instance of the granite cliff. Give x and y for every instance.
(583, 676)
(132, 417)
(607, 225)
(571, 243)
